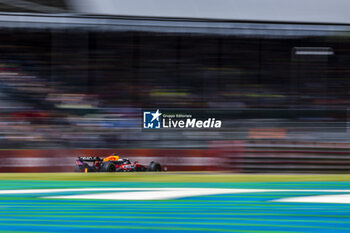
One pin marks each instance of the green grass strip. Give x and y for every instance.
(173, 177)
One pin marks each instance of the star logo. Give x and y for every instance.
(156, 115)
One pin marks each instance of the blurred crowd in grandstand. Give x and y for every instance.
(78, 89)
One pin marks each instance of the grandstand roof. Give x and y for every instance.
(301, 11)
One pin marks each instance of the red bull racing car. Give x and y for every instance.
(113, 164)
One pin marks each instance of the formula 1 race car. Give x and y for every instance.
(112, 164)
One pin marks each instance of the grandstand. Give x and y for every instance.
(75, 78)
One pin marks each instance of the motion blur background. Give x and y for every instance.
(75, 75)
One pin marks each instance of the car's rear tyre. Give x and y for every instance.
(154, 167)
(108, 167)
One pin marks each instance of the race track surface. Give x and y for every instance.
(260, 207)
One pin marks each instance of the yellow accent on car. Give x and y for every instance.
(111, 158)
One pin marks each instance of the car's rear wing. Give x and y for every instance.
(89, 159)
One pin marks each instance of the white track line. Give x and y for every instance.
(339, 198)
(173, 193)
(28, 191)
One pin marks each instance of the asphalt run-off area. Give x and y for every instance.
(174, 203)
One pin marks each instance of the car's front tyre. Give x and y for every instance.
(154, 167)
